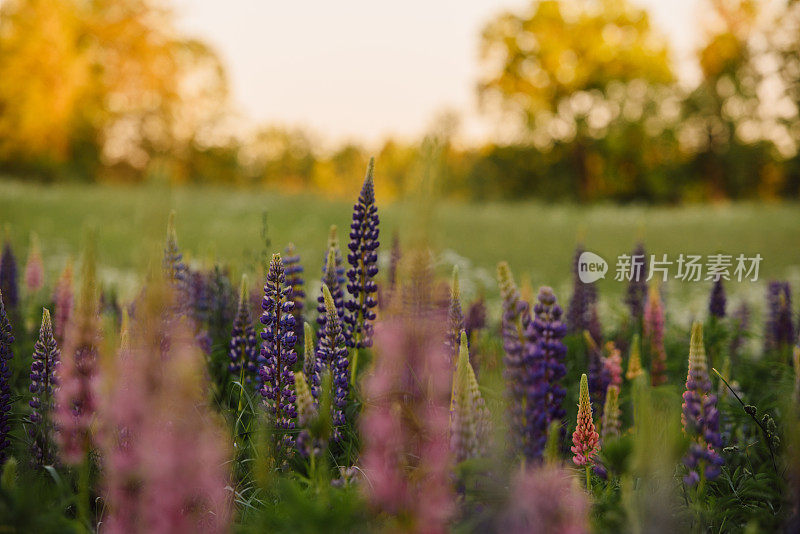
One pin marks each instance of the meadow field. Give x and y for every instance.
(537, 239)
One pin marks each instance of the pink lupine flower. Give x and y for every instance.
(585, 438)
(165, 452)
(613, 362)
(405, 422)
(63, 300)
(34, 269)
(545, 499)
(76, 400)
(654, 333)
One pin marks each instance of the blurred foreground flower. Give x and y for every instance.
(405, 421)
(76, 397)
(165, 450)
(545, 499)
(34, 268)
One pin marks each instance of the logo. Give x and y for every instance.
(591, 267)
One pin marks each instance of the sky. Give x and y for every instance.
(363, 70)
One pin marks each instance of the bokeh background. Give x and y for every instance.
(533, 124)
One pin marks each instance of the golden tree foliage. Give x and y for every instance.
(535, 60)
(110, 77)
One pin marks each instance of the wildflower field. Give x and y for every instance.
(284, 363)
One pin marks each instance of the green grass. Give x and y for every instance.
(538, 240)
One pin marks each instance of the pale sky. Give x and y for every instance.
(365, 69)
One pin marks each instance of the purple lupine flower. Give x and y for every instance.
(6, 340)
(332, 279)
(278, 351)
(223, 303)
(175, 270)
(294, 279)
(518, 349)
(717, 301)
(581, 312)
(637, 286)
(62, 300)
(9, 285)
(476, 317)
(455, 318)
(312, 368)
(76, 397)
(545, 394)
(700, 416)
(332, 353)
(200, 297)
(333, 243)
(599, 374)
(243, 347)
(43, 382)
(405, 454)
(740, 323)
(363, 260)
(469, 420)
(779, 330)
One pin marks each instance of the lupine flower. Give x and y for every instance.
(9, 286)
(243, 347)
(654, 333)
(294, 279)
(542, 376)
(545, 499)
(635, 359)
(779, 331)
(333, 243)
(332, 353)
(455, 317)
(165, 455)
(700, 416)
(469, 420)
(637, 286)
(613, 362)
(582, 306)
(6, 340)
(223, 302)
(311, 367)
(717, 301)
(363, 260)
(76, 398)
(475, 319)
(599, 374)
(518, 350)
(404, 424)
(306, 413)
(43, 382)
(740, 323)
(585, 439)
(332, 279)
(611, 423)
(175, 270)
(34, 269)
(278, 351)
(62, 299)
(200, 297)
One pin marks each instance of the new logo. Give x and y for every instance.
(591, 267)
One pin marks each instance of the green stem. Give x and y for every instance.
(588, 478)
(83, 493)
(239, 409)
